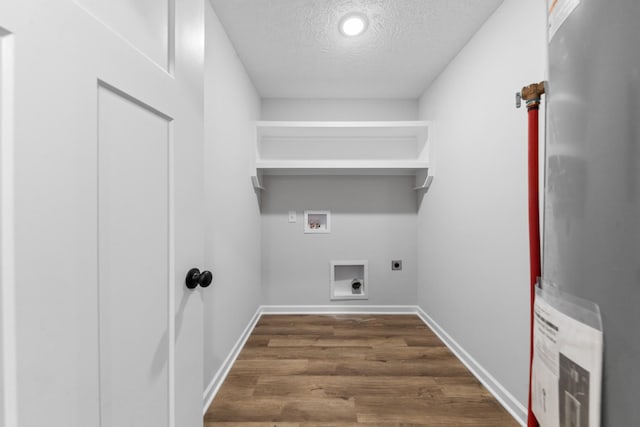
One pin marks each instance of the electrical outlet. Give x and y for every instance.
(396, 264)
(292, 216)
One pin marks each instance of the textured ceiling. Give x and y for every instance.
(293, 48)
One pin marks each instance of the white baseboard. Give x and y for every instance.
(502, 395)
(338, 309)
(506, 399)
(221, 375)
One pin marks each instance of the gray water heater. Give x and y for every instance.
(592, 210)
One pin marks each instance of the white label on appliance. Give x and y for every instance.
(567, 369)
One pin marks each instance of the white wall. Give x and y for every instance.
(372, 218)
(232, 233)
(473, 276)
(339, 109)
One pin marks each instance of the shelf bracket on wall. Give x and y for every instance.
(423, 181)
(256, 180)
(258, 188)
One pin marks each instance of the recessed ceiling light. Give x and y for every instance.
(353, 24)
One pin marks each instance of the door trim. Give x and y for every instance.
(8, 358)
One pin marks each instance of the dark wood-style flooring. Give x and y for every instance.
(350, 370)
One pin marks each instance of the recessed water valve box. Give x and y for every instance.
(317, 222)
(349, 280)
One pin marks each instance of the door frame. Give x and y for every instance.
(8, 379)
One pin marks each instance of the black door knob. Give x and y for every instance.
(195, 278)
(205, 279)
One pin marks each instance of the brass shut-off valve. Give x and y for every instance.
(531, 94)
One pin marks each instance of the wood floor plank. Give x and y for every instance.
(306, 329)
(409, 353)
(382, 331)
(345, 386)
(248, 424)
(284, 409)
(274, 367)
(257, 341)
(350, 371)
(322, 353)
(425, 340)
(344, 353)
(238, 386)
(451, 367)
(468, 388)
(245, 410)
(456, 412)
(302, 341)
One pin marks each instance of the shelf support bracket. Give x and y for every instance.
(256, 181)
(423, 181)
(258, 188)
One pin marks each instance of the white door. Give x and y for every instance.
(101, 112)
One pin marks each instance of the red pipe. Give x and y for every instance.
(532, 95)
(534, 236)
